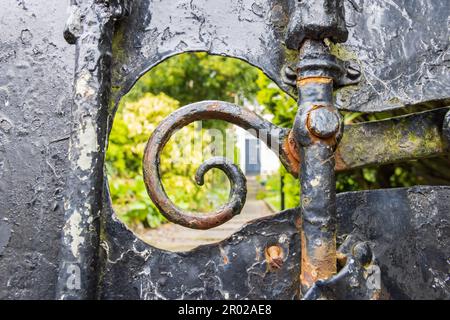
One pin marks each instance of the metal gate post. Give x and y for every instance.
(91, 27)
(317, 130)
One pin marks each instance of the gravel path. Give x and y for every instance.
(177, 238)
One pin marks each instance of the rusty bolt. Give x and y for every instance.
(274, 257)
(323, 122)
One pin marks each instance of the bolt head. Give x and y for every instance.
(323, 122)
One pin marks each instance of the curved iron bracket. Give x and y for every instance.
(270, 134)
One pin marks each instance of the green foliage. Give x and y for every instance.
(193, 77)
(178, 81)
(275, 101)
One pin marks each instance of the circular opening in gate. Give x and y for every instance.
(178, 81)
(194, 77)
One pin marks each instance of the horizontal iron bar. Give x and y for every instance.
(410, 137)
(404, 138)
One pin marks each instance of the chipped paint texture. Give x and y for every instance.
(399, 67)
(36, 78)
(87, 145)
(73, 230)
(136, 270)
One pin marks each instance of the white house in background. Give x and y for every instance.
(255, 158)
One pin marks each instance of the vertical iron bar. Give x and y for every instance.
(91, 27)
(317, 129)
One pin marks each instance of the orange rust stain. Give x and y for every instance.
(224, 256)
(292, 154)
(274, 257)
(340, 164)
(320, 80)
(319, 265)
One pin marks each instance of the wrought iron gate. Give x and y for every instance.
(332, 55)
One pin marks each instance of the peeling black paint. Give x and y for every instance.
(90, 27)
(415, 268)
(272, 135)
(36, 74)
(402, 52)
(403, 57)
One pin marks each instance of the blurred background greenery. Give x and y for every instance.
(193, 77)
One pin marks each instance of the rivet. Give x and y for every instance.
(274, 257)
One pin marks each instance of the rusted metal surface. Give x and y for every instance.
(274, 257)
(291, 154)
(318, 19)
(359, 279)
(407, 141)
(36, 74)
(394, 62)
(91, 27)
(414, 268)
(317, 130)
(446, 130)
(58, 234)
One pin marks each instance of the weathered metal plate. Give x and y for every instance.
(232, 269)
(408, 229)
(36, 75)
(402, 46)
(403, 49)
(410, 233)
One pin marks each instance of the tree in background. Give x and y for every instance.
(193, 77)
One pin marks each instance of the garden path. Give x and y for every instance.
(177, 238)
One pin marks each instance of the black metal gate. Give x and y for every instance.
(57, 105)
